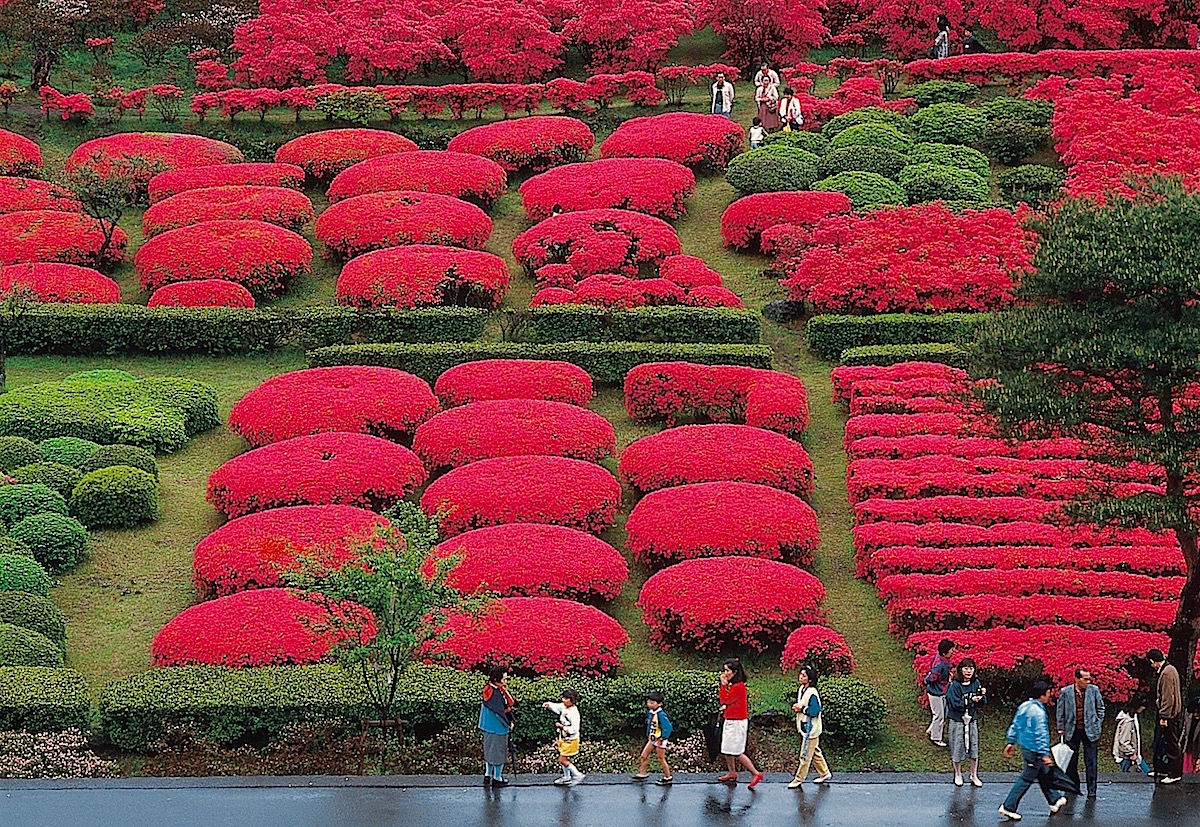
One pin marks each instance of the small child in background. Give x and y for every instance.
(568, 736)
(757, 133)
(658, 734)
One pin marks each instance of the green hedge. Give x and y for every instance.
(57, 542)
(55, 475)
(24, 647)
(943, 91)
(952, 155)
(119, 496)
(866, 114)
(1032, 183)
(853, 711)
(109, 455)
(1031, 110)
(945, 352)
(68, 450)
(1011, 140)
(19, 573)
(872, 134)
(40, 699)
(829, 335)
(607, 362)
(866, 190)
(949, 123)
(774, 168)
(933, 182)
(861, 158)
(587, 323)
(24, 500)
(814, 142)
(16, 451)
(33, 611)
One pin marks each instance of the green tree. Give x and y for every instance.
(1108, 350)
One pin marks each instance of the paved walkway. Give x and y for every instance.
(603, 801)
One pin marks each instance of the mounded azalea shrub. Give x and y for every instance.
(709, 453)
(534, 143)
(817, 646)
(16, 451)
(275, 205)
(456, 174)
(647, 185)
(949, 123)
(597, 241)
(326, 153)
(19, 573)
(864, 114)
(26, 499)
(773, 168)
(689, 272)
(22, 194)
(56, 541)
(513, 427)
(728, 602)
(933, 182)
(261, 257)
(719, 519)
(253, 552)
(862, 158)
(688, 138)
(534, 560)
(118, 496)
(866, 190)
(175, 181)
(32, 611)
(539, 489)
(52, 282)
(353, 398)
(68, 450)
(55, 475)
(423, 275)
(53, 235)
(130, 455)
(387, 219)
(18, 154)
(261, 627)
(745, 219)
(25, 647)
(871, 134)
(548, 296)
(952, 155)
(713, 296)
(202, 293)
(320, 469)
(514, 379)
(617, 293)
(147, 153)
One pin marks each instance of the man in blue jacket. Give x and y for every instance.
(1080, 714)
(1030, 730)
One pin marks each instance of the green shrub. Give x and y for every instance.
(57, 542)
(866, 190)
(853, 711)
(588, 323)
(866, 114)
(20, 501)
(949, 123)
(946, 353)
(16, 451)
(813, 142)
(23, 574)
(872, 134)
(876, 159)
(1031, 111)
(119, 496)
(40, 699)
(33, 611)
(952, 155)
(929, 182)
(62, 478)
(772, 168)
(11, 545)
(430, 134)
(1010, 141)
(828, 335)
(108, 455)
(25, 647)
(1034, 184)
(943, 91)
(68, 450)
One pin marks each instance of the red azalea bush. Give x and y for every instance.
(718, 519)
(202, 293)
(647, 185)
(1158, 561)
(985, 611)
(532, 560)
(148, 153)
(513, 427)
(846, 377)
(1029, 581)
(274, 205)
(955, 509)
(53, 235)
(319, 469)
(597, 241)
(423, 275)
(514, 379)
(389, 219)
(689, 272)
(720, 602)
(1020, 67)
(662, 391)
(262, 627)
(52, 282)
(614, 292)
(820, 647)
(555, 490)
(689, 138)
(261, 257)
(356, 399)
(709, 453)
(446, 173)
(175, 181)
(712, 296)
(529, 144)
(533, 636)
(18, 154)
(746, 219)
(326, 153)
(24, 194)
(253, 552)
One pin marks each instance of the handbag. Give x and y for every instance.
(712, 737)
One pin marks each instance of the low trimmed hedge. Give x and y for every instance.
(41, 699)
(933, 182)
(33, 611)
(852, 711)
(109, 455)
(944, 352)
(774, 168)
(871, 134)
(62, 478)
(588, 323)
(829, 335)
(943, 91)
(1034, 184)
(949, 123)
(68, 450)
(814, 142)
(24, 647)
(865, 114)
(1011, 141)
(952, 155)
(16, 451)
(24, 500)
(866, 190)
(19, 573)
(859, 158)
(1031, 110)
(119, 496)
(57, 542)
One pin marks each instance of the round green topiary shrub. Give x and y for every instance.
(1031, 111)
(773, 169)
(853, 711)
(949, 123)
(813, 142)
(876, 159)
(952, 155)
(866, 114)
(68, 450)
(62, 478)
(866, 190)
(119, 496)
(58, 542)
(943, 91)
(1034, 184)
(23, 574)
(25, 647)
(1011, 141)
(931, 182)
(16, 451)
(132, 455)
(872, 134)
(32, 611)
(24, 499)
(11, 545)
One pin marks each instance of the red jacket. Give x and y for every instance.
(737, 705)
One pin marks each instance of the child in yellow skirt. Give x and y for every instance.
(568, 736)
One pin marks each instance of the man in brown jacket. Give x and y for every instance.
(1168, 757)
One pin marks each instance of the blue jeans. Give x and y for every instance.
(1035, 771)
(1128, 764)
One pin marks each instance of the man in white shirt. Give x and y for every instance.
(722, 96)
(765, 70)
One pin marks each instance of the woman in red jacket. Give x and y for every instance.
(735, 709)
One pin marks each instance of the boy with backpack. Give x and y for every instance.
(658, 734)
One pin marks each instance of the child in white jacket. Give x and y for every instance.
(568, 736)
(1127, 743)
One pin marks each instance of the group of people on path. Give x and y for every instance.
(941, 41)
(775, 109)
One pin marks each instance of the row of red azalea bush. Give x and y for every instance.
(1021, 67)
(1037, 580)
(980, 511)
(18, 154)
(1157, 560)
(19, 194)
(909, 615)
(847, 377)
(622, 293)
(881, 483)
(597, 241)
(52, 282)
(257, 174)
(55, 236)
(387, 219)
(514, 379)
(284, 207)
(457, 174)
(202, 293)
(654, 186)
(423, 275)
(531, 144)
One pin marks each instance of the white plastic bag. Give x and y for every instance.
(1061, 753)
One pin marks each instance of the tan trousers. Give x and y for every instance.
(810, 755)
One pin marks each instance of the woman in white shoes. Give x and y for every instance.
(963, 699)
(808, 722)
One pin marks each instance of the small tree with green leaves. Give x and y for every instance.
(107, 197)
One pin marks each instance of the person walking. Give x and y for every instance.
(722, 96)
(1127, 741)
(971, 44)
(941, 42)
(1080, 715)
(808, 723)
(568, 736)
(496, 723)
(658, 736)
(735, 709)
(766, 96)
(937, 681)
(1168, 756)
(964, 696)
(1030, 730)
(765, 71)
(790, 113)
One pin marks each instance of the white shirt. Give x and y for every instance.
(757, 133)
(569, 718)
(789, 109)
(726, 96)
(770, 73)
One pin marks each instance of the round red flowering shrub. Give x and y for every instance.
(175, 181)
(53, 235)
(19, 155)
(423, 275)
(261, 257)
(614, 292)
(514, 379)
(728, 602)
(555, 275)
(61, 283)
(388, 219)
(325, 154)
(647, 185)
(261, 627)
(820, 647)
(718, 519)
(549, 296)
(709, 453)
(534, 143)
(202, 293)
(23, 194)
(744, 220)
(555, 490)
(532, 560)
(353, 399)
(146, 153)
(712, 296)
(513, 427)
(319, 469)
(689, 138)
(253, 551)
(274, 205)
(689, 272)
(446, 173)
(597, 241)
(533, 636)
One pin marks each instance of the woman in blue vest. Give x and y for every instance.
(496, 721)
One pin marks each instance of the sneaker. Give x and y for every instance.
(975, 782)
(561, 781)
(665, 781)
(1058, 805)
(941, 744)
(796, 782)
(575, 779)
(1172, 780)
(640, 777)
(754, 782)
(823, 779)
(499, 782)
(1009, 814)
